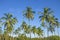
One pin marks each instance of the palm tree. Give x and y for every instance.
(39, 31)
(47, 18)
(34, 30)
(24, 27)
(57, 24)
(54, 25)
(29, 14)
(29, 30)
(8, 21)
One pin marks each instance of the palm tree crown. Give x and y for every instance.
(8, 22)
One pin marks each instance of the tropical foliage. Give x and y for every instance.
(48, 21)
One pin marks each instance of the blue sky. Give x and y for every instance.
(16, 7)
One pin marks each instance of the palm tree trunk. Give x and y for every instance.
(47, 33)
(25, 36)
(30, 36)
(44, 36)
(13, 38)
(58, 33)
(30, 30)
(6, 37)
(53, 34)
(3, 36)
(0, 37)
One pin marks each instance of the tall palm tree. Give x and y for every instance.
(29, 14)
(57, 24)
(8, 21)
(54, 25)
(47, 18)
(26, 28)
